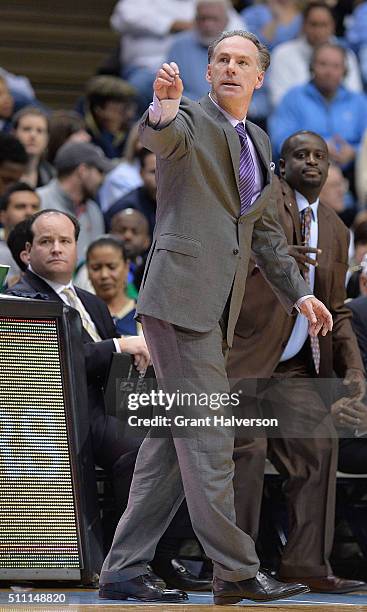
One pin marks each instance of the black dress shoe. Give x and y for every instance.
(260, 588)
(157, 580)
(177, 576)
(141, 588)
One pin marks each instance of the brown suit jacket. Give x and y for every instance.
(263, 327)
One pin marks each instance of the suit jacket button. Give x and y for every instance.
(235, 251)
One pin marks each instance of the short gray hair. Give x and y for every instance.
(262, 51)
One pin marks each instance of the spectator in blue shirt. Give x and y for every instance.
(190, 49)
(324, 106)
(274, 21)
(356, 30)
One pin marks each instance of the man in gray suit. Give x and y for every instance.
(214, 206)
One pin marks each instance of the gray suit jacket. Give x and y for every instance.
(201, 246)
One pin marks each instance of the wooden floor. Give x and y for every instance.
(186, 608)
(86, 600)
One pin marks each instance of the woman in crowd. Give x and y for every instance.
(108, 269)
(30, 126)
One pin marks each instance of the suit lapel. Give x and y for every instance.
(261, 148)
(231, 135)
(324, 242)
(234, 145)
(291, 208)
(40, 286)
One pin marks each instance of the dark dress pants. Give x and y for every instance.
(308, 465)
(195, 462)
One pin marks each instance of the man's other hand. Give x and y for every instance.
(136, 346)
(349, 414)
(319, 318)
(356, 384)
(300, 254)
(168, 84)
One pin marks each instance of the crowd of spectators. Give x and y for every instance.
(88, 161)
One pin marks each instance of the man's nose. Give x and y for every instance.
(56, 246)
(232, 65)
(311, 159)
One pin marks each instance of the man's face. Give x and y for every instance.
(32, 131)
(234, 72)
(91, 179)
(211, 19)
(53, 253)
(148, 175)
(306, 163)
(318, 27)
(132, 228)
(328, 70)
(21, 204)
(10, 173)
(6, 101)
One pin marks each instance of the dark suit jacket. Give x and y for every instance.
(263, 328)
(359, 323)
(97, 354)
(201, 247)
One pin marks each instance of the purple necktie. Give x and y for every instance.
(246, 170)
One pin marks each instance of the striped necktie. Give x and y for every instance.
(76, 303)
(306, 218)
(246, 170)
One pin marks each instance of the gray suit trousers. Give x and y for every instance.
(196, 463)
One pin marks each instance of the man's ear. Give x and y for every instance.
(282, 167)
(147, 243)
(208, 75)
(28, 247)
(260, 79)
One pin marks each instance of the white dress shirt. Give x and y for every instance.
(300, 329)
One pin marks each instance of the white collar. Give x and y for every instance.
(230, 118)
(303, 203)
(57, 287)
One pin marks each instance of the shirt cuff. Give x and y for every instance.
(162, 112)
(117, 345)
(301, 300)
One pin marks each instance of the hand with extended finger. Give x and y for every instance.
(168, 84)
